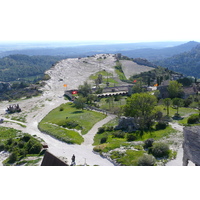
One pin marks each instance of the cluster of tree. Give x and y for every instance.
(152, 77)
(187, 63)
(142, 108)
(18, 90)
(15, 67)
(20, 147)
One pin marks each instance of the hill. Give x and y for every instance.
(187, 63)
(19, 67)
(131, 68)
(153, 54)
(78, 49)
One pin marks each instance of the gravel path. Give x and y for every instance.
(178, 160)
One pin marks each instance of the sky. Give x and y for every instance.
(98, 20)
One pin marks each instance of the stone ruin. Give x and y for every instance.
(191, 145)
(127, 123)
(13, 108)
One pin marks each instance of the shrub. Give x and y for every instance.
(159, 150)
(13, 157)
(61, 109)
(103, 139)
(146, 160)
(109, 128)
(118, 134)
(100, 130)
(21, 144)
(26, 138)
(35, 149)
(193, 119)
(148, 143)
(9, 141)
(2, 146)
(131, 137)
(33, 146)
(161, 126)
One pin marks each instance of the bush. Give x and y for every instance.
(161, 126)
(100, 130)
(33, 146)
(159, 150)
(2, 146)
(103, 139)
(148, 143)
(146, 160)
(26, 138)
(193, 119)
(109, 128)
(35, 149)
(12, 158)
(61, 109)
(131, 137)
(118, 134)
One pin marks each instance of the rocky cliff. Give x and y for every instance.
(191, 145)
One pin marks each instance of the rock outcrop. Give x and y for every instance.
(191, 145)
(126, 123)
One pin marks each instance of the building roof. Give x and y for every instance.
(51, 160)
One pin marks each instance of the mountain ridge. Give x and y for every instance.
(187, 63)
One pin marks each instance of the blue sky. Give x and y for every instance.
(83, 20)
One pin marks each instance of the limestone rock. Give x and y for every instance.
(191, 145)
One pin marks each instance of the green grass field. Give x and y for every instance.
(184, 113)
(6, 133)
(58, 122)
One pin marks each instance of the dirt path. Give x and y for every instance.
(88, 138)
(178, 160)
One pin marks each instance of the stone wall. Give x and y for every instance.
(191, 145)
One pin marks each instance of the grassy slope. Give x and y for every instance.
(53, 122)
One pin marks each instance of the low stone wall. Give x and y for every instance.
(191, 145)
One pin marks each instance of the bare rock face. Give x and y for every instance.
(126, 123)
(191, 145)
(72, 72)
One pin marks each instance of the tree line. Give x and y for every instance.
(15, 67)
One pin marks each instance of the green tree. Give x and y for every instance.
(167, 103)
(175, 89)
(142, 108)
(85, 89)
(80, 102)
(177, 103)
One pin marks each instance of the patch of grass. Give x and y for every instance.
(83, 119)
(129, 158)
(60, 133)
(103, 73)
(156, 134)
(6, 133)
(113, 142)
(182, 111)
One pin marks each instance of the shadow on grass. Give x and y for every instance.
(77, 112)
